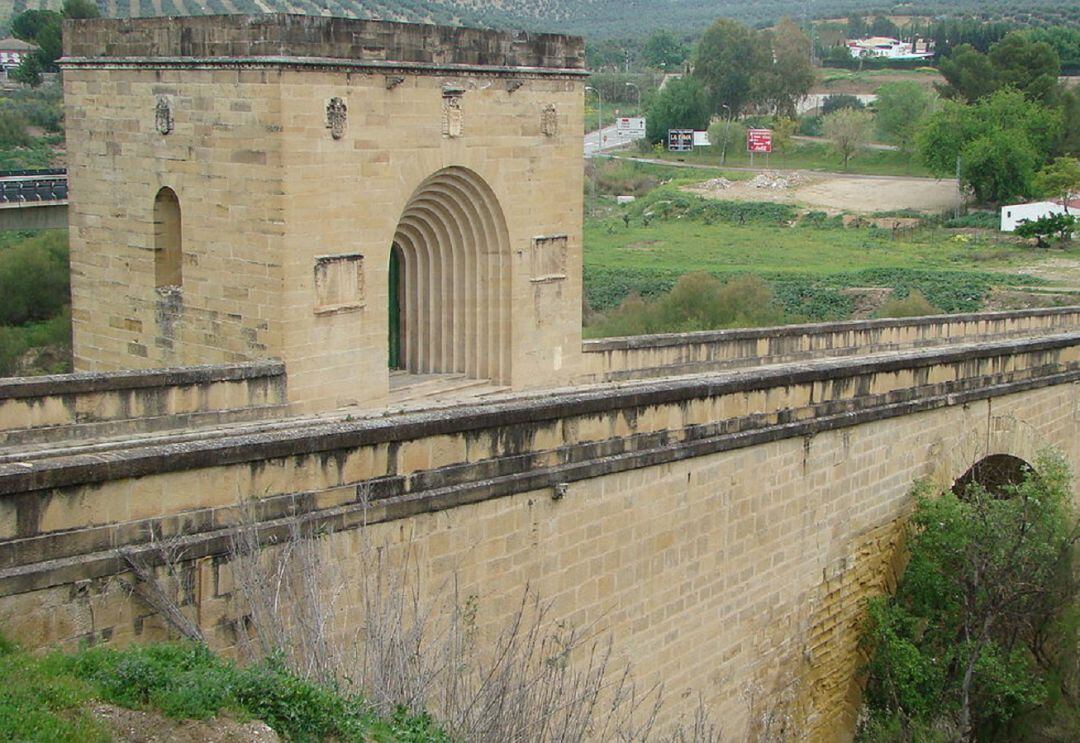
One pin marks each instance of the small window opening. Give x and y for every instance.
(168, 240)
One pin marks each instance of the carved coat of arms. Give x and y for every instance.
(163, 120)
(549, 120)
(453, 117)
(337, 114)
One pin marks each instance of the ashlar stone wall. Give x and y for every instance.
(295, 146)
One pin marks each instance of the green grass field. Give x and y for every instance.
(811, 263)
(807, 156)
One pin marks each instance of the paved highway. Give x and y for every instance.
(607, 139)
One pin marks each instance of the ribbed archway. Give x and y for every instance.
(454, 286)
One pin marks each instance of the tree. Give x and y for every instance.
(725, 60)
(783, 132)
(1015, 61)
(882, 26)
(663, 50)
(967, 642)
(28, 72)
(848, 130)
(1061, 225)
(1001, 141)
(969, 75)
(901, 106)
(681, 104)
(837, 101)
(999, 167)
(1060, 180)
(784, 74)
(856, 27)
(1030, 66)
(726, 134)
(1069, 144)
(43, 27)
(80, 9)
(27, 24)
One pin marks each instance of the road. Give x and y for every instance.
(607, 139)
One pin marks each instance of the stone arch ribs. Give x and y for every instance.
(456, 306)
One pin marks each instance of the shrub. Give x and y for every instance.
(13, 130)
(698, 301)
(838, 101)
(983, 220)
(54, 333)
(967, 644)
(913, 305)
(34, 280)
(619, 177)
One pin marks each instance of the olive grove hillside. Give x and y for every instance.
(594, 18)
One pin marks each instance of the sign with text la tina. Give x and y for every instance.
(680, 140)
(759, 140)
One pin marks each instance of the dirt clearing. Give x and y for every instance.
(835, 193)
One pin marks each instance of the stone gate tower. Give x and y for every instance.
(348, 196)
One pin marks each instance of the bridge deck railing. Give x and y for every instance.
(86, 405)
(662, 355)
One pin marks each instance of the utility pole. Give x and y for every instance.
(599, 117)
(727, 133)
(959, 189)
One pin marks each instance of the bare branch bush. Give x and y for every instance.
(535, 680)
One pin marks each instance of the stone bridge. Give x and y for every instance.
(33, 199)
(327, 293)
(722, 523)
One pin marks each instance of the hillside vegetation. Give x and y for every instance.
(593, 18)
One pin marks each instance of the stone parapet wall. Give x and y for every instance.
(69, 407)
(645, 356)
(282, 37)
(724, 530)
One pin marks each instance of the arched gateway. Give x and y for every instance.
(450, 308)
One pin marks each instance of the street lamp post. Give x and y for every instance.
(599, 117)
(635, 87)
(727, 133)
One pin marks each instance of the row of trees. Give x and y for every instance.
(1004, 119)
(743, 69)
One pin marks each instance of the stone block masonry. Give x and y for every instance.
(724, 528)
(237, 185)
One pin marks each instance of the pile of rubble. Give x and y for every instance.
(775, 181)
(716, 184)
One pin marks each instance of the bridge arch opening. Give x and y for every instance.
(996, 473)
(168, 240)
(451, 253)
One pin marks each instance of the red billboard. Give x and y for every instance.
(759, 140)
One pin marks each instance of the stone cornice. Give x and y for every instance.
(307, 438)
(95, 552)
(333, 64)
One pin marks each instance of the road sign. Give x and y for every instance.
(680, 140)
(759, 140)
(631, 124)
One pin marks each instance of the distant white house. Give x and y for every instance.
(1013, 214)
(12, 52)
(890, 48)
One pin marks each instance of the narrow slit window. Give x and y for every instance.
(168, 240)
